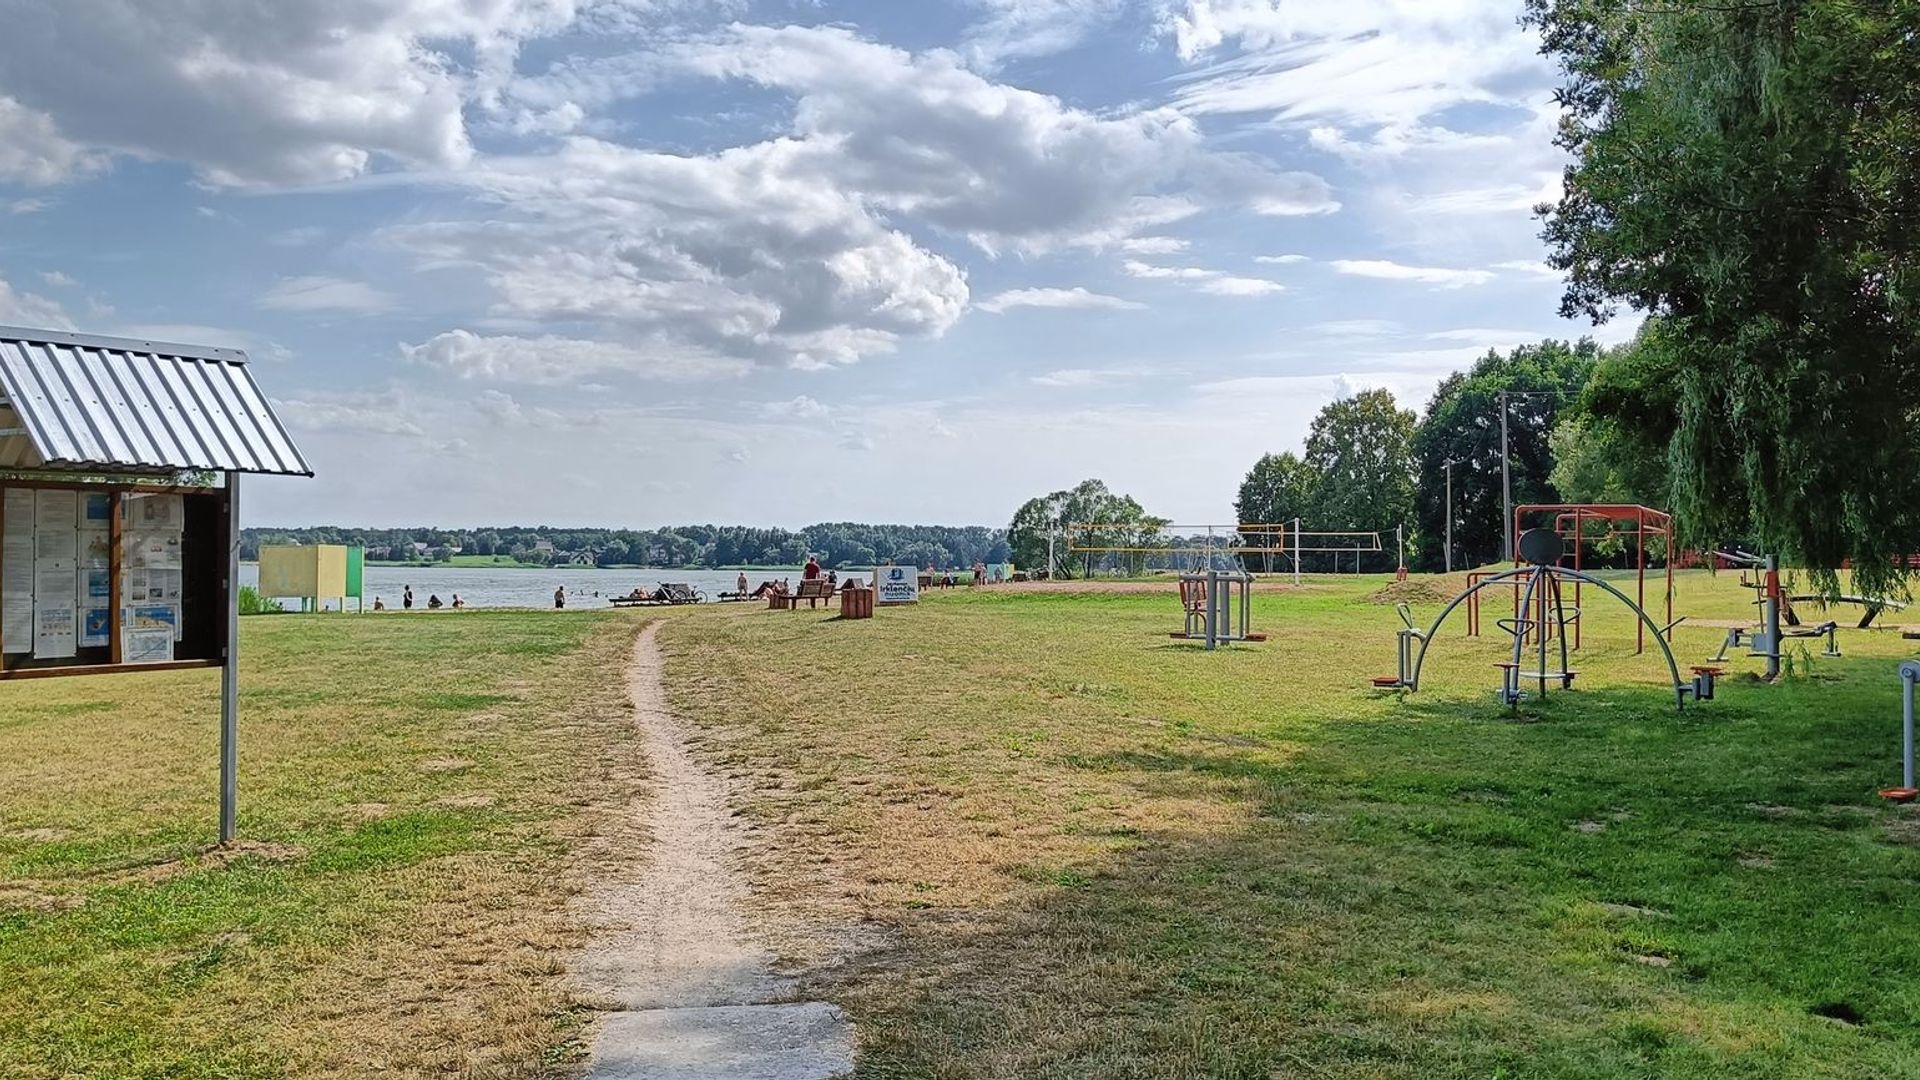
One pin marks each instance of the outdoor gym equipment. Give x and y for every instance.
(1406, 636)
(1543, 603)
(1571, 525)
(1871, 607)
(1765, 640)
(1216, 604)
(1909, 674)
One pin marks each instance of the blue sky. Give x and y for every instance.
(637, 262)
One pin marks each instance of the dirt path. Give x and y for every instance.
(695, 997)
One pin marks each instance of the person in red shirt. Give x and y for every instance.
(811, 570)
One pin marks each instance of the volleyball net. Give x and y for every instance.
(1161, 546)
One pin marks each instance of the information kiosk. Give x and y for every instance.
(120, 462)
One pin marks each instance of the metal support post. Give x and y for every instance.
(1213, 609)
(230, 673)
(1770, 611)
(1506, 478)
(1909, 673)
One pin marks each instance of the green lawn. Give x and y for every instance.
(1052, 843)
(1014, 833)
(413, 790)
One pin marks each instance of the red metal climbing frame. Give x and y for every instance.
(1571, 522)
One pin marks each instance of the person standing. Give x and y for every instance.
(811, 570)
(406, 599)
(740, 584)
(560, 597)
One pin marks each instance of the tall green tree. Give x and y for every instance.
(1462, 425)
(1279, 488)
(1745, 172)
(1612, 444)
(1098, 518)
(1359, 450)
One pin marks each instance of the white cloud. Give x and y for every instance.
(1351, 65)
(1004, 167)
(1529, 268)
(799, 408)
(386, 412)
(1013, 29)
(1427, 275)
(1217, 282)
(1229, 285)
(1076, 297)
(1153, 245)
(1486, 335)
(1280, 260)
(255, 92)
(32, 149)
(1357, 328)
(552, 360)
(56, 279)
(730, 254)
(1493, 199)
(318, 292)
(27, 309)
(28, 206)
(503, 410)
(1068, 378)
(795, 250)
(298, 236)
(1152, 272)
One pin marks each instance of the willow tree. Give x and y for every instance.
(1744, 172)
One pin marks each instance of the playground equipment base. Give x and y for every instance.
(1900, 794)
(1203, 637)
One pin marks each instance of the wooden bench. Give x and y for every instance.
(815, 592)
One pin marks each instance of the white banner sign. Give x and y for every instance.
(896, 585)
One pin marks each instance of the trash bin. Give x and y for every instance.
(856, 602)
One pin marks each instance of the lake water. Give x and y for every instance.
(496, 588)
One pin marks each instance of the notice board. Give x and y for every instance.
(106, 577)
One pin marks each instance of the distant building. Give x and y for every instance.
(543, 547)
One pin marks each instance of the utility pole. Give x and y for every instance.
(1506, 480)
(1446, 540)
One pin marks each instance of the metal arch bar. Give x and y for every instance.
(1673, 667)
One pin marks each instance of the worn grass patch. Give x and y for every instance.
(416, 798)
(1059, 845)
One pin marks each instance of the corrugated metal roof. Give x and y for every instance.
(81, 402)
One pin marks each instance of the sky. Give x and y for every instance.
(642, 262)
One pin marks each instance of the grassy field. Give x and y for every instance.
(1015, 833)
(1048, 842)
(419, 798)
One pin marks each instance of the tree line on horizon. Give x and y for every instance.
(836, 544)
(1370, 466)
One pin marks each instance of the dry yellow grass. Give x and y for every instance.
(421, 799)
(1019, 833)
